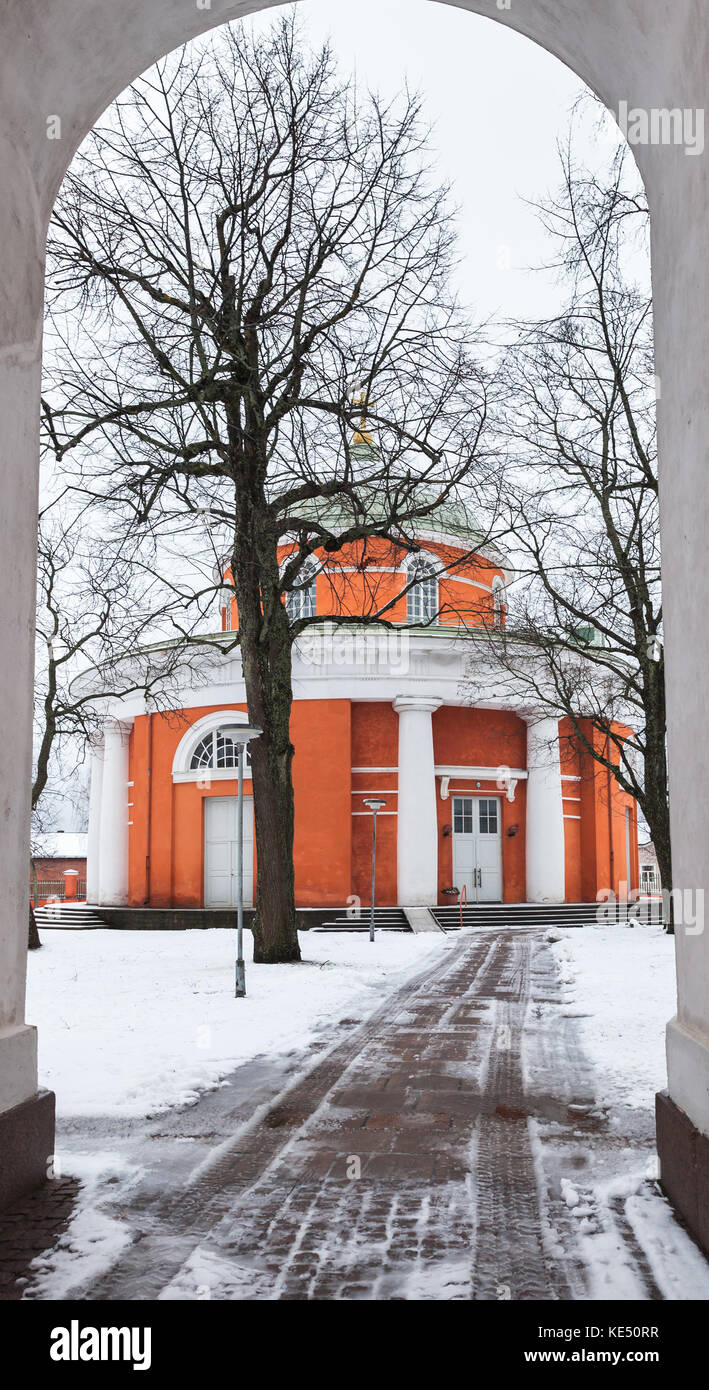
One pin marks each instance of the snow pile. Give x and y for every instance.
(93, 1240)
(131, 1023)
(620, 983)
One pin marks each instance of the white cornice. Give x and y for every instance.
(499, 772)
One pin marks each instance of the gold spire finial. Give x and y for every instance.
(362, 435)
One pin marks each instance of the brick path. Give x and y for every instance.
(400, 1166)
(30, 1229)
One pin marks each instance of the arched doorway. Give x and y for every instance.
(61, 65)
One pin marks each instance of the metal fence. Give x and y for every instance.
(55, 888)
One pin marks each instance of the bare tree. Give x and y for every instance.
(254, 249)
(97, 605)
(584, 622)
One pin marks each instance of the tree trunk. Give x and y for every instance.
(33, 941)
(655, 803)
(265, 640)
(659, 823)
(268, 694)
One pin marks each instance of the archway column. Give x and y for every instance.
(26, 1113)
(545, 852)
(417, 828)
(113, 826)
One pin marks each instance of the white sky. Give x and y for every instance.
(499, 105)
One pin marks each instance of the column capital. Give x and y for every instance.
(403, 704)
(117, 727)
(538, 716)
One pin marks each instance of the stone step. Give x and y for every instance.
(385, 919)
(450, 918)
(62, 915)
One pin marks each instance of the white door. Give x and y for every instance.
(477, 847)
(220, 851)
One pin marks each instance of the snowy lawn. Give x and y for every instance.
(131, 1023)
(620, 982)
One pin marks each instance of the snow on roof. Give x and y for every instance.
(60, 844)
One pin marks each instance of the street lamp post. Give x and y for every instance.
(374, 806)
(240, 734)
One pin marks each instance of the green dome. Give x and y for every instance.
(452, 517)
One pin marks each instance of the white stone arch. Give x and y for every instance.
(209, 723)
(69, 59)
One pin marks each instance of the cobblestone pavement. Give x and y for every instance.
(417, 1158)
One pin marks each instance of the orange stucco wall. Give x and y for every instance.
(374, 746)
(166, 840)
(596, 857)
(344, 752)
(321, 736)
(363, 579)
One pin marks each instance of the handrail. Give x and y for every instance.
(463, 894)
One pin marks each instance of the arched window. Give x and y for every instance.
(499, 601)
(216, 750)
(422, 597)
(301, 601)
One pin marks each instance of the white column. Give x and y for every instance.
(93, 849)
(545, 814)
(21, 238)
(113, 828)
(417, 829)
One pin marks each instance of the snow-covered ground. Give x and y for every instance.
(131, 1023)
(620, 982)
(618, 987)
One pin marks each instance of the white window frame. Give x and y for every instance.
(182, 770)
(499, 600)
(213, 766)
(302, 602)
(422, 601)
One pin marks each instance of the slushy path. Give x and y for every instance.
(421, 1157)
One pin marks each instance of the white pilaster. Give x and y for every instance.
(417, 829)
(113, 827)
(546, 879)
(93, 849)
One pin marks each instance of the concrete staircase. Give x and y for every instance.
(385, 919)
(545, 914)
(76, 915)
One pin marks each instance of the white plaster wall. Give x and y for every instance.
(70, 58)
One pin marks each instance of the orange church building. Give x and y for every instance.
(481, 792)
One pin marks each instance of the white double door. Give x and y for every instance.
(477, 847)
(220, 876)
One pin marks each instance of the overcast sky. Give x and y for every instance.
(499, 104)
